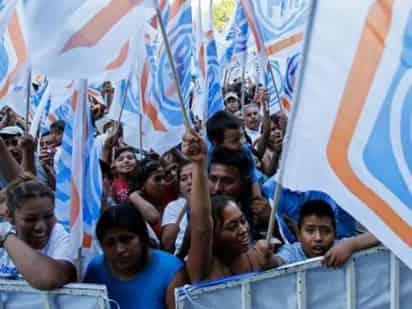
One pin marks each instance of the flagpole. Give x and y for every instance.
(141, 135)
(242, 87)
(28, 94)
(173, 67)
(290, 125)
(272, 75)
(124, 100)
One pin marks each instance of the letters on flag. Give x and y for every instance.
(353, 122)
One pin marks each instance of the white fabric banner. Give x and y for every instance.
(352, 133)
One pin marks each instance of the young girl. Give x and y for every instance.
(151, 189)
(33, 245)
(124, 169)
(136, 276)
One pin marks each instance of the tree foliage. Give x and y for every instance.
(222, 11)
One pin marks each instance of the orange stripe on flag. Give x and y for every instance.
(75, 99)
(87, 240)
(17, 39)
(120, 59)
(283, 44)
(175, 9)
(286, 104)
(74, 203)
(359, 83)
(148, 108)
(91, 33)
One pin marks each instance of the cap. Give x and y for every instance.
(230, 95)
(11, 130)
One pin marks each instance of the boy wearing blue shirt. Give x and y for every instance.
(317, 237)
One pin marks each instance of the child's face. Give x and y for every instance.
(125, 162)
(232, 139)
(316, 235)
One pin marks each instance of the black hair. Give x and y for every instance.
(235, 158)
(219, 122)
(129, 218)
(147, 168)
(24, 188)
(119, 151)
(319, 208)
(58, 125)
(219, 203)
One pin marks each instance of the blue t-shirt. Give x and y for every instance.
(293, 253)
(290, 203)
(146, 290)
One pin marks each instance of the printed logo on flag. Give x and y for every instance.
(292, 67)
(387, 151)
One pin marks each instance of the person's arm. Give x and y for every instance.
(111, 141)
(28, 147)
(9, 168)
(179, 280)
(147, 209)
(40, 271)
(263, 141)
(340, 253)
(170, 231)
(201, 223)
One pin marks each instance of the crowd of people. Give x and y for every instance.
(198, 212)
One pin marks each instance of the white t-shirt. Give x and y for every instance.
(171, 215)
(58, 248)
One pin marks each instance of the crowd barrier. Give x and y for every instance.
(15, 294)
(371, 279)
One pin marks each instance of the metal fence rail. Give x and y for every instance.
(18, 294)
(371, 279)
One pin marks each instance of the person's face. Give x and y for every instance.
(154, 186)
(12, 144)
(107, 92)
(225, 179)
(34, 221)
(282, 121)
(171, 169)
(122, 250)
(185, 180)
(57, 136)
(252, 118)
(275, 136)
(232, 105)
(232, 139)
(125, 163)
(46, 142)
(316, 235)
(233, 234)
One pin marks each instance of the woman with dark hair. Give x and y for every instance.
(219, 231)
(32, 244)
(151, 187)
(136, 275)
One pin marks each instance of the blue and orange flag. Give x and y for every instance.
(353, 117)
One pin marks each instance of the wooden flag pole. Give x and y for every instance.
(28, 94)
(173, 67)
